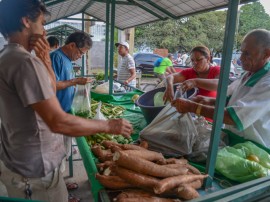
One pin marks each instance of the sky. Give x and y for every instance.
(266, 5)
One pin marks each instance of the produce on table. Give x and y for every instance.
(187, 192)
(113, 182)
(99, 137)
(253, 157)
(136, 167)
(145, 154)
(144, 166)
(135, 178)
(100, 76)
(102, 155)
(175, 181)
(135, 97)
(108, 110)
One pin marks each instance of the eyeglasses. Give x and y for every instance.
(197, 59)
(81, 52)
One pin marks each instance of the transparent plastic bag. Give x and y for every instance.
(99, 115)
(82, 102)
(170, 133)
(235, 164)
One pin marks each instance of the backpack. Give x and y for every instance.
(158, 62)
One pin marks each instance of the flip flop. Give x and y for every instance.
(72, 198)
(72, 186)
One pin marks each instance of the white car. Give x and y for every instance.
(217, 61)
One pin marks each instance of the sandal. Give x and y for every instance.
(72, 198)
(72, 186)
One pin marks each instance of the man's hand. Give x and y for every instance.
(119, 127)
(184, 105)
(82, 80)
(40, 45)
(204, 100)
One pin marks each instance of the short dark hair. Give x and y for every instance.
(12, 11)
(53, 41)
(81, 39)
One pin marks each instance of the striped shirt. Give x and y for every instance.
(123, 73)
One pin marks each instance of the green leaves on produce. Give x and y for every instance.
(99, 137)
(108, 110)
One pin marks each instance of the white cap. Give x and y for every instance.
(123, 43)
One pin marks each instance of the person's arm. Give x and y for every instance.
(207, 84)
(210, 101)
(184, 106)
(60, 122)
(170, 80)
(60, 85)
(132, 75)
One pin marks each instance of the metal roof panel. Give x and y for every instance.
(130, 13)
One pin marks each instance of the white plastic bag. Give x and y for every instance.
(99, 115)
(102, 88)
(171, 133)
(82, 103)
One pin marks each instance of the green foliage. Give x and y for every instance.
(252, 16)
(203, 29)
(183, 34)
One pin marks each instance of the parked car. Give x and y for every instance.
(145, 63)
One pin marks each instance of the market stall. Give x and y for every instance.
(162, 10)
(222, 186)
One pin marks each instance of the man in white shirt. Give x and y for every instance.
(126, 70)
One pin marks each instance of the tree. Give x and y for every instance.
(252, 16)
(202, 29)
(183, 34)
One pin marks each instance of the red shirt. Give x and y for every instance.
(214, 71)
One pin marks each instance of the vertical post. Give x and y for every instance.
(83, 57)
(222, 89)
(112, 45)
(107, 40)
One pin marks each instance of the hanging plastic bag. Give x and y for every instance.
(171, 133)
(99, 115)
(243, 162)
(81, 103)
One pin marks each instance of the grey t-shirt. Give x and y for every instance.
(123, 73)
(29, 147)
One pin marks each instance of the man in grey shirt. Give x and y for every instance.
(32, 120)
(126, 71)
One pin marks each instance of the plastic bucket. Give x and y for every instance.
(146, 103)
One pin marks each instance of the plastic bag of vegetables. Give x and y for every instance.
(81, 103)
(243, 162)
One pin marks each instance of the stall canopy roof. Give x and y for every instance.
(130, 13)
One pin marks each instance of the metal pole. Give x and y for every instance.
(83, 57)
(107, 40)
(112, 46)
(222, 90)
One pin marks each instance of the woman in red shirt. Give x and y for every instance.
(202, 75)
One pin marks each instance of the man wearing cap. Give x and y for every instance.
(126, 70)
